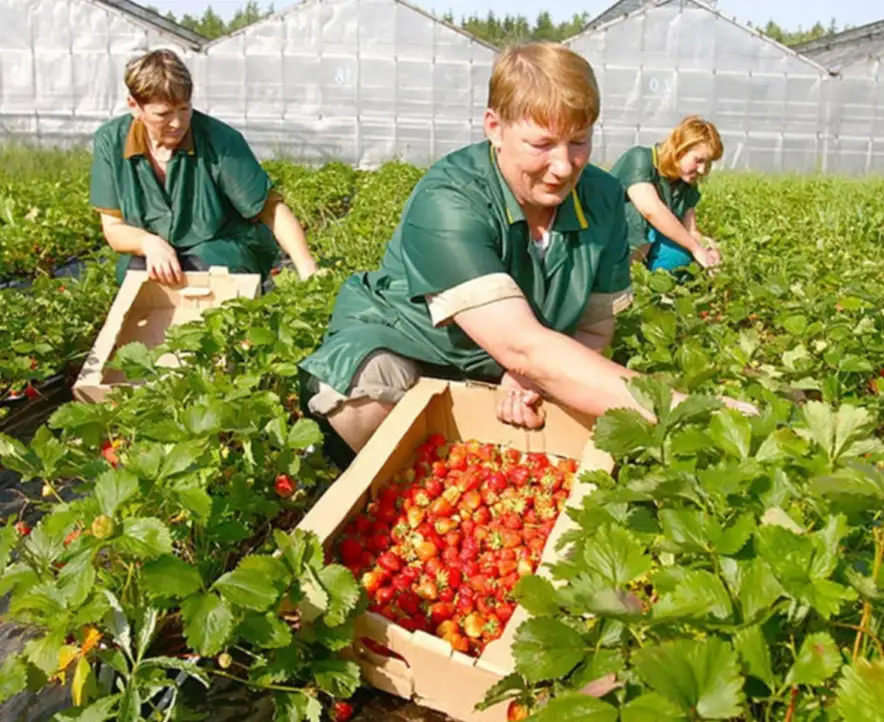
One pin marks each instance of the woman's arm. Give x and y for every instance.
(160, 258)
(645, 198)
(278, 217)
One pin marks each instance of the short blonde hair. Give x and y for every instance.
(159, 76)
(547, 83)
(691, 132)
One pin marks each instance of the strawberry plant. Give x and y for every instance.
(730, 568)
(174, 555)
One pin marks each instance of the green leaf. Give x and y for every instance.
(196, 500)
(265, 630)
(299, 548)
(8, 539)
(181, 457)
(795, 324)
(117, 623)
(99, 711)
(622, 431)
(821, 424)
(698, 594)
(652, 707)
(538, 596)
(547, 649)
(685, 530)
(256, 583)
(731, 432)
(13, 676)
(144, 538)
(818, 661)
(755, 653)
(304, 434)
(76, 579)
(42, 652)
(575, 708)
(732, 539)
(615, 556)
(701, 675)
(170, 577)
(113, 488)
(135, 360)
(343, 593)
(502, 690)
(693, 408)
(208, 622)
(203, 419)
(297, 707)
(178, 665)
(860, 695)
(337, 677)
(261, 336)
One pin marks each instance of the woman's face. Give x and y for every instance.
(166, 123)
(540, 166)
(695, 163)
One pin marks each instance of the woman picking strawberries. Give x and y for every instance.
(662, 195)
(509, 265)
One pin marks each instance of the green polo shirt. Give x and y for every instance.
(639, 165)
(462, 222)
(214, 190)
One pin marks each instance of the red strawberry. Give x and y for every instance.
(284, 486)
(31, 392)
(516, 712)
(350, 551)
(22, 528)
(341, 711)
(389, 561)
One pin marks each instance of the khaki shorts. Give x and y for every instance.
(382, 376)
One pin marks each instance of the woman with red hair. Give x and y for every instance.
(661, 196)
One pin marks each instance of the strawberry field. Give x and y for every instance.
(730, 568)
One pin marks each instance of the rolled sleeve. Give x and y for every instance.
(470, 294)
(447, 239)
(603, 307)
(102, 189)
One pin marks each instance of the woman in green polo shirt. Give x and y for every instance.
(508, 265)
(661, 196)
(178, 190)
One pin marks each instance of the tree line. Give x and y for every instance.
(494, 29)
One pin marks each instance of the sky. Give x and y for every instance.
(789, 14)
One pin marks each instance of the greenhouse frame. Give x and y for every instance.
(366, 81)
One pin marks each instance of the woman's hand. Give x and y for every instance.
(706, 258)
(161, 261)
(518, 403)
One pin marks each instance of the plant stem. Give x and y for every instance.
(791, 710)
(256, 685)
(867, 607)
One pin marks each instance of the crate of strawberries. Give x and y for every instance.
(439, 517)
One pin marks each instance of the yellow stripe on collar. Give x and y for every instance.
(578, 210)
(654, 157)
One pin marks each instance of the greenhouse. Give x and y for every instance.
(666, 60)
(360, 81)
(61, 63)
(857, 118)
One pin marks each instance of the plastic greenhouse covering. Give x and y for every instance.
(365, 81)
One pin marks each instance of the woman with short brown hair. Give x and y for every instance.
(660, 182)
(178, 190)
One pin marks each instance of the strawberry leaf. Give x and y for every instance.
(208, 622)
(575, 708)
(861, 691)
(818, 660)
(256, 583)
(546, 649)
(694, 675)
